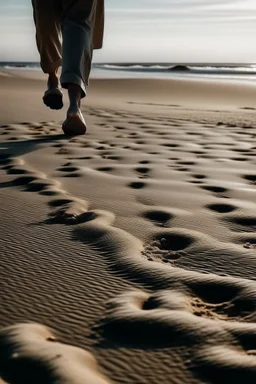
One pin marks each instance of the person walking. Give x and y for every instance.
(67, 32)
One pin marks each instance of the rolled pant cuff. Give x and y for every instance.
(72, 78)
(50, 67)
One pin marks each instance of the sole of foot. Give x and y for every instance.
(74, 125)
(53, 98)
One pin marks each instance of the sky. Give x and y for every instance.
(150, 31)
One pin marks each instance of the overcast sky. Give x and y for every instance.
(150, 31)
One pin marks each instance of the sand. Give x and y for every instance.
(135, 244)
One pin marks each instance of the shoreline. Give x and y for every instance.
(226, 74)
(165, 96)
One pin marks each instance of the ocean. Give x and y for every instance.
(225, 72)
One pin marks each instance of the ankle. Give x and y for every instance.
(53, 80)
(73, 108)
(74, 93)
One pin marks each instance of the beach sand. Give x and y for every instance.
(135, 244)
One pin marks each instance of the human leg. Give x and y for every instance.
(77, 30)
(47, 18)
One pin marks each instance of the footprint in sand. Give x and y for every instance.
(119, 127)
(43, 186)
(186, 162)
(195, 181)
(251, 178)
(137, 185)
(199, 176)
(17, 171)
(143, 172)
(70, 213)
(105, 169)
(183, 169)
(70, 171)
(82, 158)
(167, 247)
(63, 151)
(239, 158)
(23, 180)
(221, 208)
(213, 318)
(219, 191)
(159, 218)
(194, 312)
(242, 150)
(243, 223)
(34, 183)
(170, 145)
(115, 158)
(58, 145)
(30, 180)
(250, 245)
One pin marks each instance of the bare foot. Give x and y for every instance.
(53, 95)
(74, 123)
